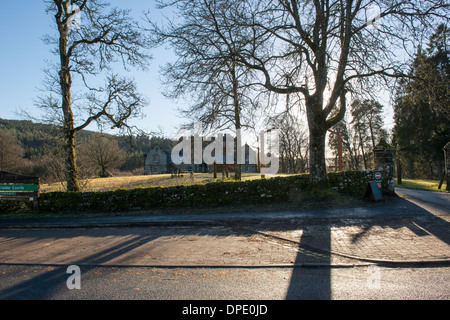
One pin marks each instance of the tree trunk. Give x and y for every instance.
(318, 128)
(69, 138)
(237, 119)
(103, 172)
(69, 123)
(439, 169)
(71, 166)
(410, 169)
(318, 169)
(399, 172)
(362, 150)
(431, 176)
(371, 134)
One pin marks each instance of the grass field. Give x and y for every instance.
(430, 185)
(166, 180)
(130, 182)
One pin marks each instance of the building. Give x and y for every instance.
(159, 161)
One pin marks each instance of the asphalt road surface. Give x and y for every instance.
(121, 264)
(436, 199)
(140, 283)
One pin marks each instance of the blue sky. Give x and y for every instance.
(23, 57)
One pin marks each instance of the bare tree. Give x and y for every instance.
(11, 152)
(293, 137)
(103, 154)
(368, 116)
(207, 71)
(293, 144)
(328, 48)
(91, 37)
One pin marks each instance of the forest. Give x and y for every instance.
(36, 149)
(422, 110)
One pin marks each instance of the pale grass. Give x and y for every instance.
(422, 184)
(131, 182)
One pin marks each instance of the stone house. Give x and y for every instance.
(159, 161)
(156, 161)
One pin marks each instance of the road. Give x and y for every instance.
(123, 283)
(255, 259)
(436, 199)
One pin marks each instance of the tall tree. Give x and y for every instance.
(368, 124)
(328, 48)
(207, 71)
(349, 153)
(434, 82)
(422, 124)
(368, 114)
(293, 137)
(91, 37)
(293, 143)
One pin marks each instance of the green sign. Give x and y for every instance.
(373, 191)
(19, 187)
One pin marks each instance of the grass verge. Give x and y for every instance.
(131, 182)
(428, 185)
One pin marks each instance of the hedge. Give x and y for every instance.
(215, 194)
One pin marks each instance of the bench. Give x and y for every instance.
(15, 187)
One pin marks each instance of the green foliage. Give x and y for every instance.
(36, 139)
(422, 118)
(429, 185)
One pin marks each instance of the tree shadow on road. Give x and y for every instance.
(43, 286)
(313, 248)
(402, 214)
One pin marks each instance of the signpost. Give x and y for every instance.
(21, 187)
(378, 178)
(15, 187)
(374, 190)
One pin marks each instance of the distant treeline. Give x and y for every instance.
(44, 143)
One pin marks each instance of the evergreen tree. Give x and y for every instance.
(422, 122)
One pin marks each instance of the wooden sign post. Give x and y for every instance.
(15, 187)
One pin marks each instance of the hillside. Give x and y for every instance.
(41, 141)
